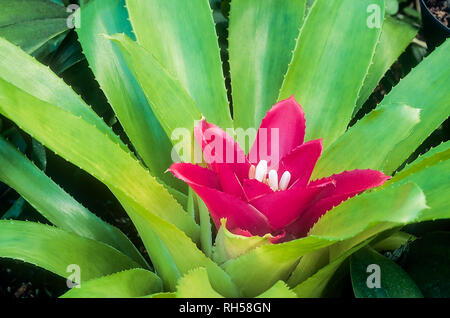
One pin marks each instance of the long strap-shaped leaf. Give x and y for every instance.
(395, 37)
(270, 263)
(31, 23)
(181, 36)
(262, 37)
(173, 254)
(368, 143)
(87, 147)
(55, 250)
(56, 205)
(170, 102)
(195, 284)
(426, 87)
(24, 72)
(331, 60)
(120, 87)
(431, 172)
(131, 283)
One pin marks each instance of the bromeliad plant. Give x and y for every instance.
(284, 225)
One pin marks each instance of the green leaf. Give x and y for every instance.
(393, 242)
(170, 31)
(316, 284)
(394, 282)
(38, 81)
(308, 265)
(368, 143)
(56, 205)
(195, 284)
(131, 283)
(173, 254)
(331, 60)
(172, 105)
(279, 290)
(55, 250)
(395, 37)
(396, 205)
(86, 146)
(205, 227)
(270, 263)
(431, 172)
(117, 82)
(31, 23)
(228, 245)
(427, 261)
(426, 87)
(262, 38)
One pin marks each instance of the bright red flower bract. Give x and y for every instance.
(230, 190)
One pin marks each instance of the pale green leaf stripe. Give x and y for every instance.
(31, 23)
(27, 74)
(262, 38)
(181, 35)
(117, 82)
(88, 148)
(126, 284)
(331, 60)
(426, 87)
(173, 254)
(279, 290)
(431, 172)
(368, 143)
(270, 263)
(395, 37)
(56, 205)
(54, 250)
(195, 284)
(170, 102)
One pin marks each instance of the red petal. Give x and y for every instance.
(229, 181)
(288, 120)
(348, 184)
(284, 207)
(239, 214)
(219, 149)
(301, 162)
(254, 189)
(194, 174)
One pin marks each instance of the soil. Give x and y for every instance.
(440, 9)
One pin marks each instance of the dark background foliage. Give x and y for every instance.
(63, 54)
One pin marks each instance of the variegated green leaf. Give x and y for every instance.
(31, 23)
(131, 283)
(170, 31)
(55, 204)
(55, 250)
(262, 37)
(270, 263)
(426, 87)
(331, 60)
(170, 102)
(117, 82)
(195, 284)
(395, 37)
(368, 143)
(85, 145)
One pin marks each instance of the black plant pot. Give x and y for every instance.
(435, 31)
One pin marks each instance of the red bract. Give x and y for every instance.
(237, 187)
